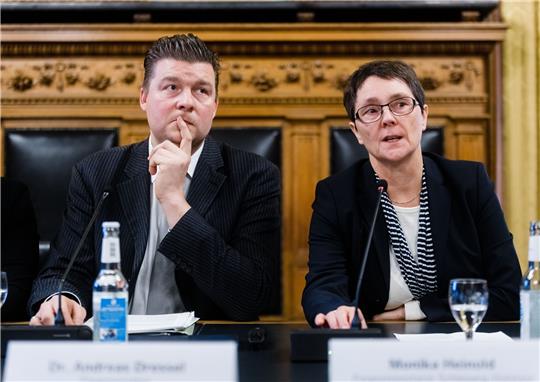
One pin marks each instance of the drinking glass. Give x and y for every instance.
(3, 287)
(468, 300)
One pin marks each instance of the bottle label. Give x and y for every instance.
(534, 248)
(110, 250)
(113, 319)
(524, 305)
(524, 315)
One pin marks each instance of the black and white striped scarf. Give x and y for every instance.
(420, 275)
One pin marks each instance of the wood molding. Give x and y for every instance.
(258, 33)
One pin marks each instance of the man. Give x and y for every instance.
(200, 221)
(439, 219)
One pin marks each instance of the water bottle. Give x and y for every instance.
(530, 288)
(110, 294)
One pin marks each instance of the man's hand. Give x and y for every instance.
(74, 314)
(340, 318)
(397, 314)
(173, 162)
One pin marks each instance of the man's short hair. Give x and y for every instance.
(383, 69)
(182, 47)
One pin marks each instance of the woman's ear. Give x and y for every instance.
(425, 115)
(356, 133)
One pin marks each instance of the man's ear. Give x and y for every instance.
(143, 98)
(354, 130)
(215, 110)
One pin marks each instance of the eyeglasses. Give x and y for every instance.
(398, 107)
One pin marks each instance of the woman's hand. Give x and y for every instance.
(341, 318)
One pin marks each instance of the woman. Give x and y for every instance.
(440, 219)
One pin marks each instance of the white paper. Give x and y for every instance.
(175, 322)
(453, 337)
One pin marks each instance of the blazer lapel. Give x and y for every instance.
(439, 215)
(366, 201)
(206, 181)
(134, 196)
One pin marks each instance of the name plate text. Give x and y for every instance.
(133, 361)
(390, 360)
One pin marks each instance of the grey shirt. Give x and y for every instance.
(156, 291)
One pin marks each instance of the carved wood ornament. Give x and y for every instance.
(289, 76)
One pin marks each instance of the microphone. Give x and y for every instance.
(59, 318)
(312, 344)
(382, 186)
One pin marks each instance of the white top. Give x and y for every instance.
(399, 291)
(159, 228)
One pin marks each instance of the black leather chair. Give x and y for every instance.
(42, 159)
(266, 143)
(345, 149)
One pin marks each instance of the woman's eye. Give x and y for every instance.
(371, 110)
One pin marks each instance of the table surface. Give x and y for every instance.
(270, 361)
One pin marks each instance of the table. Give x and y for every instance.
(270, 361)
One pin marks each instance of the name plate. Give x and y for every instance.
(390, 360)
(141, 361)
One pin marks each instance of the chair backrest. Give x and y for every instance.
(43, 159)
(345, 149)
(265, 142)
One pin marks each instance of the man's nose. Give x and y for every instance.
(184, 100)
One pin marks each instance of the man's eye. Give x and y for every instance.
(203, 90)
(171, 87)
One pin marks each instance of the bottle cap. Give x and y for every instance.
(110, 225)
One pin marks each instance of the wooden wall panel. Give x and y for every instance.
(520, 95)
(288, 76)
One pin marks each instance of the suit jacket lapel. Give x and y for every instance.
(134, 195)
(206, 181)
(439, 215)
(366, 201)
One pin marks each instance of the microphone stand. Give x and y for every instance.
(312, 344)
(382, 185)
(59, 317)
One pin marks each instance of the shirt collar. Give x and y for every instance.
(192, 164)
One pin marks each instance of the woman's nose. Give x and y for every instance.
(387, 116)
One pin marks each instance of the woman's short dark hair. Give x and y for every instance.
(383, 69)
(182, 47)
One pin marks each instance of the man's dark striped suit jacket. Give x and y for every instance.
(226, 247)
